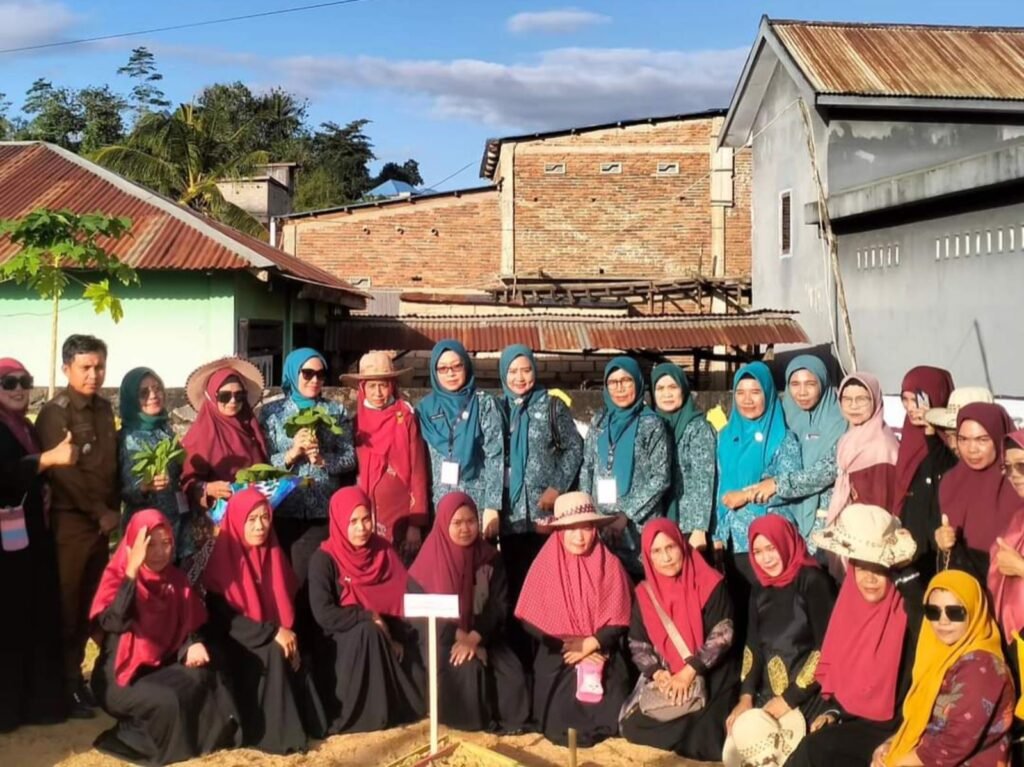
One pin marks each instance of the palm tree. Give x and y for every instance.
(183, 155)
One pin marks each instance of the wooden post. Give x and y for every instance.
(432, 620)
(572, 747)
(432, 607)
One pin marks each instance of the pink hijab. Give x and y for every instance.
(1008, 592)
(17, 423)
(862, 446)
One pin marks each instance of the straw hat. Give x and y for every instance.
(248, 374)
(945, 417)
(867, 533)
(374, 366)
(760, 740)
(575, 509)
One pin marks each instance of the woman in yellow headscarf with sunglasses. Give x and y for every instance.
(960, 704)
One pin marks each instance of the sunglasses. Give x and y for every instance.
(1015, 469)
(224, 397)
(308, 374)
(150, 391)
(954, 613)
(10, 383)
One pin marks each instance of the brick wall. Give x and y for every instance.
(447, 242)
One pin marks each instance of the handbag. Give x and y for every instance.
(653, 702)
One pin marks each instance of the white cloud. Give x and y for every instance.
(34, 22)
(555, 22)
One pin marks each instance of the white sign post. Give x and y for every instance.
(432, 607)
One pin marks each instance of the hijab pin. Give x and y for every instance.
(465, 415)
(758, 437)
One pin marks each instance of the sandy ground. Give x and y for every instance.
(69, 745)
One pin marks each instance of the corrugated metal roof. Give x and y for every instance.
(164, 235)
(566, 334)
(907, 60)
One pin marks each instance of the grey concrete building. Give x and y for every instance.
(917, 135)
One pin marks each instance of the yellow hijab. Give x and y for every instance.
(935, 658)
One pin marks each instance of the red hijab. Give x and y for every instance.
(981, 503)
(682, 597)
(167, 608)
(860, 657)
(384, 438)
(371, 576)
(445, 567)
(938, 385)
(569, 595)
(256, 581)
(218, 445)
(19, 426)
(787, 541)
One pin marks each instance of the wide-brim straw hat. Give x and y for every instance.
(574, 509)
(945, 417)
(248, 374)
(758, 738)
(374, 366)
(867, 533)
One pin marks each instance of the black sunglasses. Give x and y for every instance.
(308, 374)
(955, 613)
(224, 397)
(10, 383)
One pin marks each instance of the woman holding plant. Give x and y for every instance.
(309, 435)
(150, 456)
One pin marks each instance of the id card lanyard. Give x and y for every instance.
(607, 489)
(450, 469)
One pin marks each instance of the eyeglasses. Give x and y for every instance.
(10, 383)
(1014, 469)
(954, 613)
(224, 397)
(444, 370)
(308, 374)
(621, 383)
(150, 391)
(855, 401)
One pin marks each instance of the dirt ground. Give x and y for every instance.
(69, 745)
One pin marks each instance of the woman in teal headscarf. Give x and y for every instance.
(144, 424)
(813, 415)
(691, 497)
(626, 460)
(465, 434)
(753, 445)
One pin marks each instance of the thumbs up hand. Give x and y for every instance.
(64, 453)
(1008, 560)
(945, 536)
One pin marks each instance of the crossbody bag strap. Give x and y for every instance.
(670, 627)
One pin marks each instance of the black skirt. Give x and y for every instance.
(849, 744)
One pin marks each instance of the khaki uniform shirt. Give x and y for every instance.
(91, 485)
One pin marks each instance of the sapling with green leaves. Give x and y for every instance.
(152, 463)
(310, 421)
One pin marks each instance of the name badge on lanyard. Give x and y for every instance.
(449, 473)
(607, 491)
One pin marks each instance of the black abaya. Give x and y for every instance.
(165, 715)
(555, 707)
(921, 515)
(364, 687)
(279, 707)
(476, 695)
(32, 687)
(700, 735)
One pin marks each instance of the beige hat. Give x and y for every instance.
(760, 740)
(248, 374)
(945, 417)
(867, 533)
(374, 366)
(574, 509)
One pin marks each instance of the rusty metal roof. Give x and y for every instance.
(566, 334)
(164, 234)
(908, 60)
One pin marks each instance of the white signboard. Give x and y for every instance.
(431, 605)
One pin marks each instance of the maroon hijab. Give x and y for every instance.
(256, 581)
(938, 385)
(19, 426)
(218, 445)
(787, 541)
(371, 576)
(860, 656)
(384, 438)
(445, 567)
(982, 503)
(682, 597)
(167, 609)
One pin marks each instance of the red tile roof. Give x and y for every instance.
(164, 234)
(552, 333)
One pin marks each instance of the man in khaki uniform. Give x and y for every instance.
(86, 502)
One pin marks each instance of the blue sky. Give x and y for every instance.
(437, 77)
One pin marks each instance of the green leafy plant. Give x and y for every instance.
(311, 419)
(154, 461)
(260, 472)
